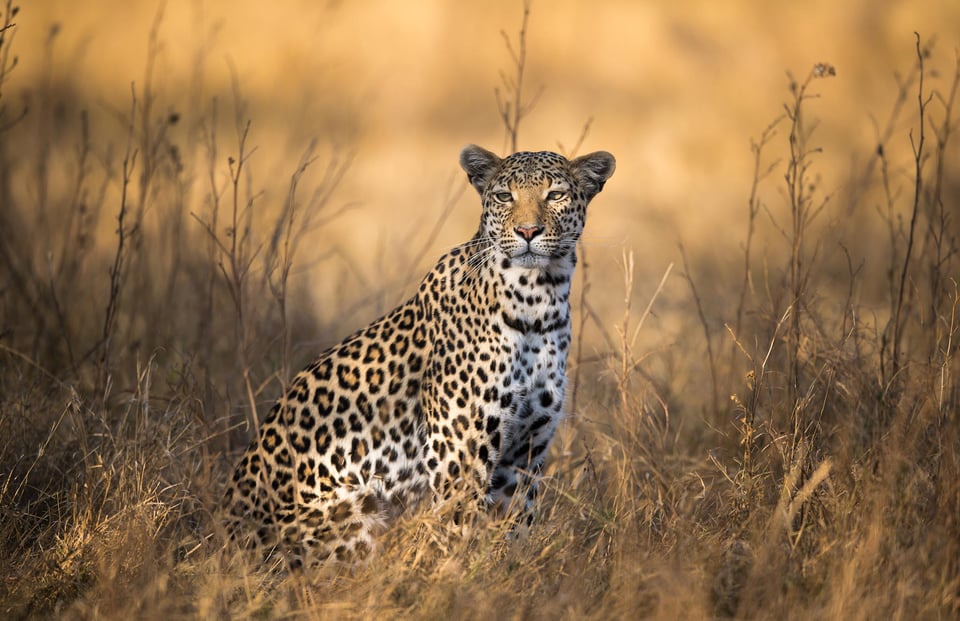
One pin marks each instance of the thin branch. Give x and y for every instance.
(918, 160)
(706, 331)
(512, 109)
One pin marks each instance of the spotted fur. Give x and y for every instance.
(459, 389)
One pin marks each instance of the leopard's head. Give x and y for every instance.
(535, 203)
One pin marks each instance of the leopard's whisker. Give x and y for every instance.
(593, 241)
(477, 241)
(476, 262)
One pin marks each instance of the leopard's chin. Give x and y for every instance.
(530, 260)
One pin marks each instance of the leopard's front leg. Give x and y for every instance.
(513, 486)
(461, 457)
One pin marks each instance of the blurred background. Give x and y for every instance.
(197, 197)
(676, 91)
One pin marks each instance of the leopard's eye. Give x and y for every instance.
(503, 197)
(556, 195)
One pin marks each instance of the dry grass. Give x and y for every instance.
(797, 455)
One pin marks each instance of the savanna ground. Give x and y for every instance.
(763, 417)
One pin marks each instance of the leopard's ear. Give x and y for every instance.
(593, 170)
(479, 164)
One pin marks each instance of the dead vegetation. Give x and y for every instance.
(815, 474)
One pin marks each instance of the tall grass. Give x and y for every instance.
(147, 315)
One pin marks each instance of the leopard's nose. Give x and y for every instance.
(528, 232)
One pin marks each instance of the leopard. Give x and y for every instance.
(455, 393)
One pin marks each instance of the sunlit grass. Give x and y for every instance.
(768, 429)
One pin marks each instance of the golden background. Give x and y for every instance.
(676, 91)
(776, 439)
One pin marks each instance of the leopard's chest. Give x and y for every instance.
(501, 345)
